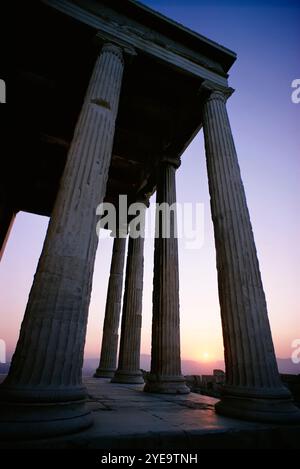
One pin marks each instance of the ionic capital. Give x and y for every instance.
(111, 44)
(109, 47)
(171, 161)
(212, 92)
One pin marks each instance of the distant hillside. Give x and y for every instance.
(191, 367)
(285, 365)
(4, 367)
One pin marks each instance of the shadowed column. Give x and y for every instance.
(109, 348)
(165, 375)
(7, 217)
(43, 391)
(253, 388)
(130, 343)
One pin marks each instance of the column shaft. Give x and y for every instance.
(109, 348)
(7, 216)
(47, 363)
(251, 370)
(130, 343)
(165, 375)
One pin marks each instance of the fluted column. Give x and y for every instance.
(130, 342)
(165, 375)
(46, 366)
(109, 348)
(253, 387)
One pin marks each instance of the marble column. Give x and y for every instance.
(43, 391)
(7, 217)
(165, 375)
(110, 337)
(130, 342)
(253, 389)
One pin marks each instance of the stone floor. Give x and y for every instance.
(126, 417)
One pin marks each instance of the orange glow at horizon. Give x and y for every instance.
(201, 335)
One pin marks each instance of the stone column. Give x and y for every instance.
(7, 217)
(253, 388)
(109, 348)
(46, 367)
(130, 343)
(165, 375)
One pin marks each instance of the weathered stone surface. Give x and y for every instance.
(43, 391)
(193, 382)
(46, 366)
(219, 376)
(165, 375)
(130, 343)
(209, 385)
(127, 418)
(253, 387)
(110, 337)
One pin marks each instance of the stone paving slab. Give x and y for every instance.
(126, 417)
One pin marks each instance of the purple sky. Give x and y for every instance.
(266, 127)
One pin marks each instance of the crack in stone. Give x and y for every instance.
(101, 102)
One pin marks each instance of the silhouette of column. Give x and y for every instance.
(109, 348)
(46, 366)
(130, 343)
(253, 389)
(165, 375)
(7, 216)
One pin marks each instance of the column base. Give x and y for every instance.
(41, 420)
(273, 406)
(166, 385)
(104, 373)
(128, 377)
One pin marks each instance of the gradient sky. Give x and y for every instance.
(266, 127)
